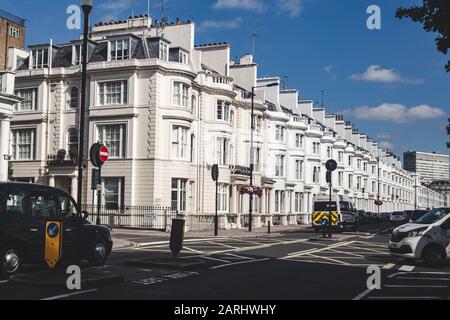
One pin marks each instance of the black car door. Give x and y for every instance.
(68, 212)
(43, 208)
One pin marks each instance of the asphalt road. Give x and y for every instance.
(288, 266)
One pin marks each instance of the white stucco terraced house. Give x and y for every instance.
(168, 110)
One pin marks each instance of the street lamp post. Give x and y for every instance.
(86, 5)
(252, 154)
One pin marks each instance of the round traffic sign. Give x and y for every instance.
(52, 230)
(103, 154)
(331, 165)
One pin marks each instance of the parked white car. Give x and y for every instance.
(426, 239)
(398, 217)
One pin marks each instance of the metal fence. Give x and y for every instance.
(133, 217)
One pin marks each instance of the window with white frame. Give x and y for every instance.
(279, 133)
(298, 169)
(341, 156)
(113, 193)
(223, 147)
(74, 98)
(72, 140)
(315, 147)
(179, 142)
(279, 201)
(223, 110)
(329, 152)
(179, 194)
(299, 139)
(180, 94)
(193, 104)
(316, 174)
(350, 181)
(119, 49)
(23, 144)
(40, 58)
(350, 160)
(256, 159)
(223, 198)
(374, 186)
(183, 58)
(163, 51)
(113, 93)
(29, 102)
(364, 166)
(358, 163)
(192, 153)
(14, 32)
(279, 165)
(358, 183)
(76, 55)
(113, 136)
(298, 202)
(340, 178)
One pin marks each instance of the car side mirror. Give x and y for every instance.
(85, 214)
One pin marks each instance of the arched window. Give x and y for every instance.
(193, 104)
(74, 101)
(72, 141)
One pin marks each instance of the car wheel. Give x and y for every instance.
(12, 261)
(433, 256)
(98, 254)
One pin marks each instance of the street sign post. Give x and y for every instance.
(215, 177)
(53, 233)
(99, 154)
(330, 165)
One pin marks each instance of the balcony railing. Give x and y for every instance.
(240, 170)
(60, 161)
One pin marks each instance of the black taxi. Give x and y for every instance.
(25, 210)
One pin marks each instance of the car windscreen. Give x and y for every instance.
(324, 206)
(433, 216)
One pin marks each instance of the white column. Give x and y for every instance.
(4, 147)
(74, 187)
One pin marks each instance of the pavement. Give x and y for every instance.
(291, 263)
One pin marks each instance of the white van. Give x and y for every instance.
(428, 238)
(343, 213)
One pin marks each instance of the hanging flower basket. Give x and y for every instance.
(257, 191)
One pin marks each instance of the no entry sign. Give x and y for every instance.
(99, 154)
(103, 154)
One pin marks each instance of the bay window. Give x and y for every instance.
(23, 144)
(223, 110)
(178, 194)
(113, 93)
(180, 94)
(29, 102)
(179, 142)
(223, 155)
(279, 165)
(113, 136)
(298, 169)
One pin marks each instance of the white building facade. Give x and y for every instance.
(168, 110)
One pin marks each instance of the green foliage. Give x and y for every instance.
(434, 15)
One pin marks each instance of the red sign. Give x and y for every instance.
(104, 154)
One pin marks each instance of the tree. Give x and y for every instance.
(434, 15)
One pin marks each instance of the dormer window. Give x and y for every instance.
(183, 57)
(163, 51)
(119, 49)
(76, 55)
(40, 58)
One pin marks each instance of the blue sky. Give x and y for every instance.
(390, 83)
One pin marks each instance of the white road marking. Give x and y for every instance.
(4, 281)
(428, 279)
(193, 250)
(330, 259)
(315, 250)
(241, 257)
(236, 263)
(62, 296)
(389, 266)
(362, 295)
(406, 268)
(411, 273)
(222, 244)
(216, 259)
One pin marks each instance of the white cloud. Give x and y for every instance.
(114, 5)
(214, 24)
(292, 7)
(376, 73)
(387, 145)
(250, 5)
(329, 71)
(384, 136)
(397, 113)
